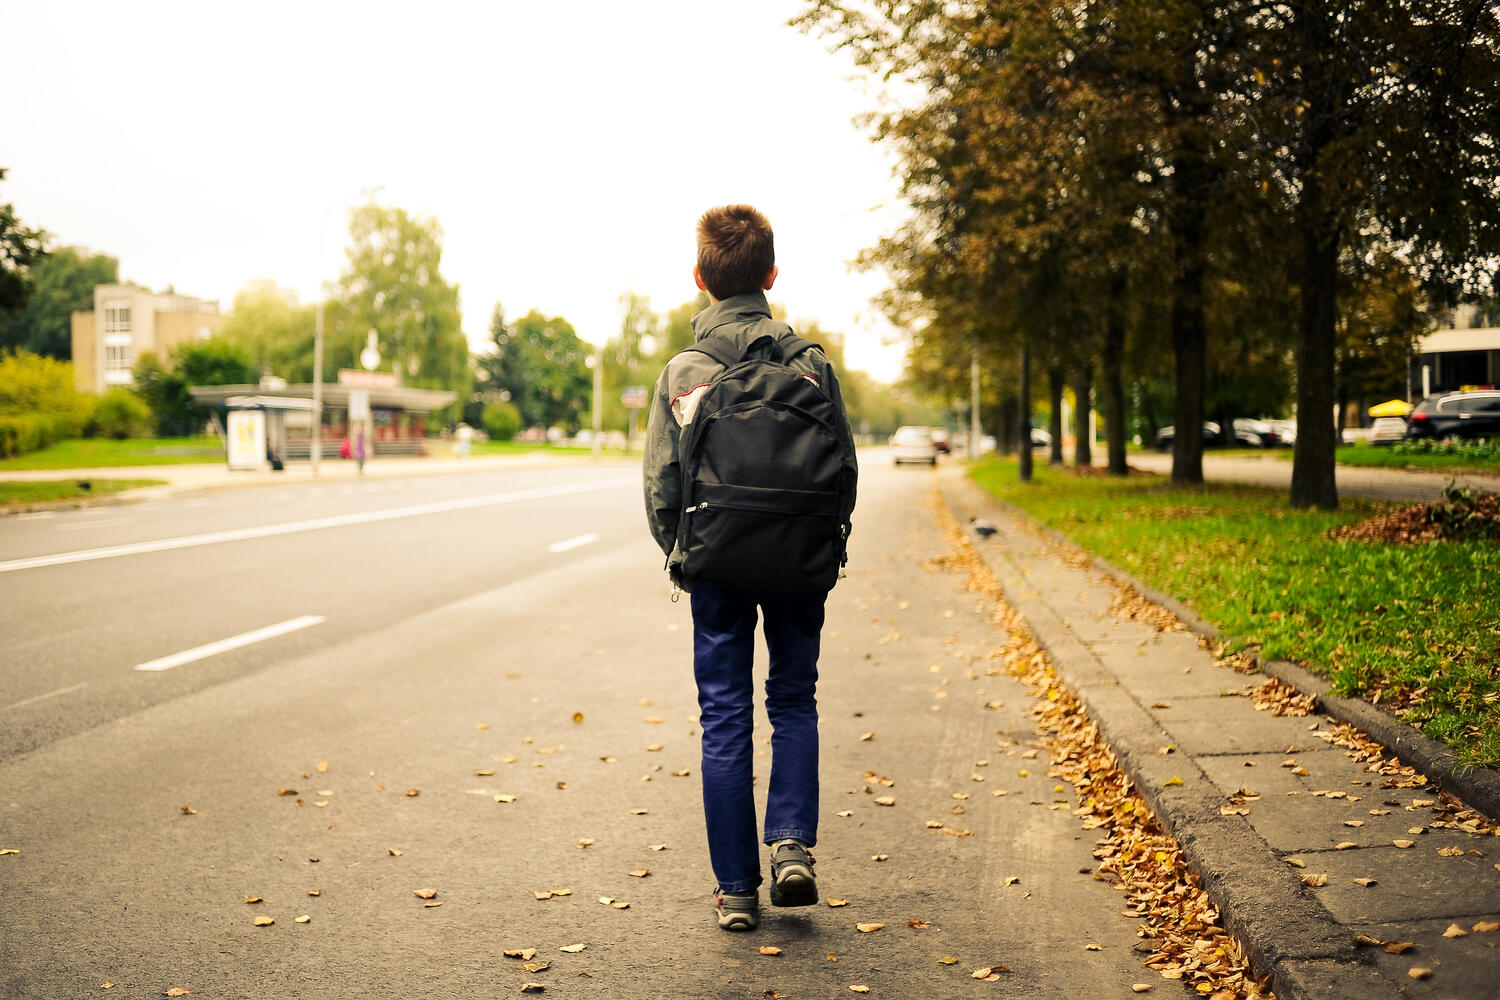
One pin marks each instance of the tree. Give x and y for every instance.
(392, 284)
(164, 388)
(541, 366)
(62, 283)
(21, 249)
(274, 331)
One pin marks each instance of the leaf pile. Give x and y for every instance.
(1466, 516)
(1281, 699)
(1134, 853)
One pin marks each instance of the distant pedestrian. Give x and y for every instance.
(775, 546)
(359, 450)
(346, 449)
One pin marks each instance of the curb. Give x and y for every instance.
(1286, 931)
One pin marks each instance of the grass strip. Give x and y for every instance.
(52, 490)
(100, 453)
(1455, 457)
(1415, 628)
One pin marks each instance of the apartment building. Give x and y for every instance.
(128, 321)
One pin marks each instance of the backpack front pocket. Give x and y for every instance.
(753, 538)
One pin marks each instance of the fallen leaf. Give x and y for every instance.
(431, 903)
(1455, 931)
(948, 960)
(395, 853)
(619, 905)
(562, 786)
(509, 758)
(638, 872)
(1365, 882)
(505, 797)
(1417, 972)
(857, 988)
(412, 793)
(769, 949)
(525, 954)
(577, 716)
(879, 857)
(264, 921)
(682, 773)
(533, 987)
(610, 760)
(654, 719)
(106, 986)
(541, 966)
(1397, 947)
(286, 791)
(867, 737)
(1450, 852)
(424, 893)
(845, 813)
(639, 812)
(573, 949)
(653, 748)
(585, 842)
(934, 824)
(315, 892)
(1013, 880)
(1486, 927)
(188, 810)
(920, 925)
(1170, 782)
(885, 800)
(1344, 845)
(1356, 823)
(1295, 862)
(178, 991)
(656, 847)
(868, 928)
(8, 850)
(991, 973)
(1140, 988)
(1091, 946)
(541, 894)
(1316, 881)
(304, 919)
(1403, 843)
(833, 901)
(254, 899)
(481, 725)
(562, 892)
(483, 774)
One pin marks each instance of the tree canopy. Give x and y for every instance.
(62, 283)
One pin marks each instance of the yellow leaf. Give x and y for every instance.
(577, 716)
(1170, 782)
(412, 793)
(562, 786)
(845, 813)
(1486, 927)
(533, 987)
(1417, 972)
(315, 892)
(857, 988)
(585, 842)
(769, 949)
(934, 824)
(656, 847)
(1397, 947)
(541, 894)
(886, 800)
(523, 953)
(1296, 862)
(483, 774)
(610, 760)
(106, 986)
(1365, 882)
(1091, 946)
(509, 758)
(619, 905)
(1455, 931)
(682, 773)
(879, 857)
(920, 925)
(868, 928)
(431, 903)
(8, 850)
(178, 991)
(188, 810)
(264, 921)
(481, 725)
(424, 893)
(505, 797)
(304, 919)
(639, 812)
(1316, 881)
(654, 719)
(1140, 988)
(867, 737)
(254, 899)
(948, 960)
(573, 949)
(638, 872)
(286, 791)
(322, 767)
(1403, 843)
(562, 892)
(1344, 845)
(834, 901)
(537, 966)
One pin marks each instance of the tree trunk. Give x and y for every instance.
(1055, 425)
(1314, 453)
(1189, 339)
(1114, 378)
(1023, 414)
(1083, 393)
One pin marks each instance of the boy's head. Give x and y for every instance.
(736, 252)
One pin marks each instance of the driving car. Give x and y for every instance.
(1464, 414)
(913, 444)
(941, 440)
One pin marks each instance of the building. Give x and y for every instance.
(128, 321)
(1457, 355)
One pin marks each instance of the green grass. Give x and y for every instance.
(1417, 628)
(93, 453)
(1439, 459)
(14, 494)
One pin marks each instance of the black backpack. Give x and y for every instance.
(766, 485)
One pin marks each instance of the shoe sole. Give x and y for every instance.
(737, 922)
(794, 890)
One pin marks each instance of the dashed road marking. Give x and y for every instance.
(233, 642)
(572, 543)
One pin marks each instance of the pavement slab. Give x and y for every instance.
(1251, 795)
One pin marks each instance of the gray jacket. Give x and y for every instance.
(742, 319)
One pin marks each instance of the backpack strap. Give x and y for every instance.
(793, 346)
(720, 349)
(726, 354)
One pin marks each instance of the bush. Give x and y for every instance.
(121, 414)
(501, 421)
(1455, 447)
(42, 386)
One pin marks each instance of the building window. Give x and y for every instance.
(118, 343)
(117, 318)
(117, 364)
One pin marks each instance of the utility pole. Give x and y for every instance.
(598, 401)
(974, 406)
(317, 427)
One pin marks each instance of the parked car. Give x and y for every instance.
(1168, 435)
(941, 440)
(1286, 431)
(1041, 438)
(1471, 414)
(1387, 430)
(913, 444)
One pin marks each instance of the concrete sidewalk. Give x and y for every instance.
(1324, 855)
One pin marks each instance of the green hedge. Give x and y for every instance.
(24, 432)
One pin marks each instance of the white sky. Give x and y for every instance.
(566, 149)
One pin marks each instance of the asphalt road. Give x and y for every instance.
(519, 625)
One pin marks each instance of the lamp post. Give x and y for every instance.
(316, 454)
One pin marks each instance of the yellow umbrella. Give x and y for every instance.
(1391, 408)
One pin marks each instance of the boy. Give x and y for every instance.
(736, 266)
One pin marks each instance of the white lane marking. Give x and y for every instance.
(572, 543)
(36, 515)
(233, 642)
(96, 524)
(44, 697)
(94, 512)
(316, 524)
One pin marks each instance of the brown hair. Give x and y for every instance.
(736, 250)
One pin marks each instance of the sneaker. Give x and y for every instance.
(738, 911)
(792, 881)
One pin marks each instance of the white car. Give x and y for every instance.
(1387, 430)
(914, 444)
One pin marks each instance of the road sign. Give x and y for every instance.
(633, 396)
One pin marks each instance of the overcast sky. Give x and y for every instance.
(566, 149)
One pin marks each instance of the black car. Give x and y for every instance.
(1472, 414)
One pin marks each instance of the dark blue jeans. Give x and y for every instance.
(723, 650)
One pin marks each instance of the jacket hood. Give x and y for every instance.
(742, 314)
